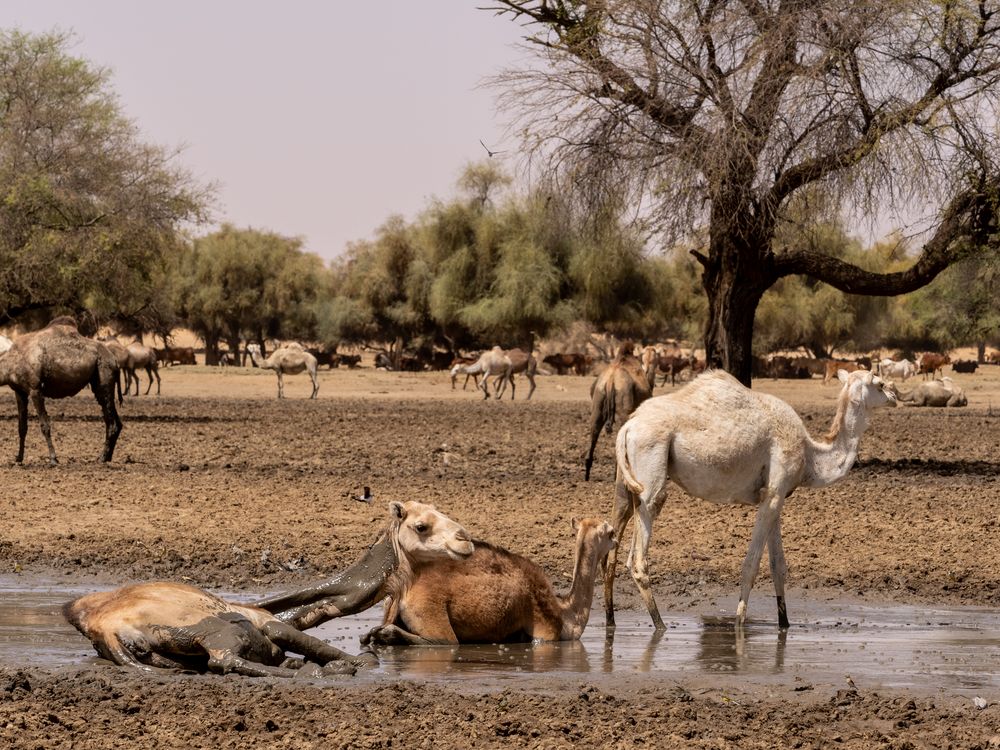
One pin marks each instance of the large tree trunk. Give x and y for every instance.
(211, 349)
(737, 273)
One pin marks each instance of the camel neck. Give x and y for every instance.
(576, 604)
(830, 461)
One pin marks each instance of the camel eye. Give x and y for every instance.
(420, 528)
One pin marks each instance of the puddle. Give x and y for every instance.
(956, 649)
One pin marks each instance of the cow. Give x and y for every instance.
(833, 365)
(562, 363)
(350, 360)
(175, 355)
(964, 365)
(931, 362)
(892, 370)
(330, 359)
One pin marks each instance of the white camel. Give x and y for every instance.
(497, 363)
(720, 441)
(290, 359)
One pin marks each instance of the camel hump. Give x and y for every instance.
(63, 320)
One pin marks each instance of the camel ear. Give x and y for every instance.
(397, 510)
(842, 375)
(576, 523)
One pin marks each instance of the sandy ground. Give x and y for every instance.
(217, 483)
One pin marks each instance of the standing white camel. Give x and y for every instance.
(720, 441)
(290, 359)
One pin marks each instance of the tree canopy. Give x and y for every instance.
(88, 211)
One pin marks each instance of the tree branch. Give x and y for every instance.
(968, 222)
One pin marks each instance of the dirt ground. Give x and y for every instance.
(217, 483)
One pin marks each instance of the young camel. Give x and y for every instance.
(290, 359)
(155, 626)
(57, 362)
(494, 596)
(459, 366)
(720, 441)
(614, 395)
(141, 358)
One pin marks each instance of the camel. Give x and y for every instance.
(163, 625)
(457, 368)
(290, 359)
(494, 596)
(57, 362)
(720, 441)
(5, 344)
(497, 363)
(942, 392)
(121, 357)
(614, 395)
(141, 358)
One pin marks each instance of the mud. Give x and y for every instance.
(218, 484)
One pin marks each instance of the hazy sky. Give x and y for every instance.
(317, 119)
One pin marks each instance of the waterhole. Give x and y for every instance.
(927, 648)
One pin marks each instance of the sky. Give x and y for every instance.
(314, 119)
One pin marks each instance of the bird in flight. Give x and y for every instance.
(489, 153)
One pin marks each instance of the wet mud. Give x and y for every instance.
(894, 579)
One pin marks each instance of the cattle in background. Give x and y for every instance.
(571, 361)
(833, 365)
(785, 367)
(993, 357)
(330, 359)
(812, 365)
(964, 365)
(931, 362)
(175, 355)
(350, 360)
(892, 370)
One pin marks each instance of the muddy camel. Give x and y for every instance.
(614, 395)
(162, 625)
(57, 362)
(118, 349)
(720, 441)
(141, 357)
(494, 596)
(290, 359)
(942, 392)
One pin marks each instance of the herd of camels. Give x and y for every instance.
(714, 438)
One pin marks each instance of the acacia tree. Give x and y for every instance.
(715, 113)
(88, 212)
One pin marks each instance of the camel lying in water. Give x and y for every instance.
(494, 596)
(153, 626)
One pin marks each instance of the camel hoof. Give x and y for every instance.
(741, 614)
(365, 660)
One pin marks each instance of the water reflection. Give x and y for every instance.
(723, 646)
(425, 661)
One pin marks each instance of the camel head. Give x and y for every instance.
(867, 389)
(597, 532)
(424, 533)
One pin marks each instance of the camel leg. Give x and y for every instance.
(156, 372)
(315, 382)
(112, 422)
(596, 422)
(281, 385)
(779, 570)
(640, 554)
(531, 379)
(22, 423)
(118, 386)
(767, 516)
(287, 638)
(149, 374)
(484, 385)
(621, 515)
(43, 417)
(393, 635)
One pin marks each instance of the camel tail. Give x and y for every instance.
(624, 467)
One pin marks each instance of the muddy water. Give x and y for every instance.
(956, 649)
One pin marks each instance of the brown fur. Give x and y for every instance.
(930, 363)
(614, 395)
(833, 365)
(495, 596)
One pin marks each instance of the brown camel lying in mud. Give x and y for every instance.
(57, 362)
(494, 596)
(614, 395)
(162, 625)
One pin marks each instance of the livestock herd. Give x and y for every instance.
(714, 438)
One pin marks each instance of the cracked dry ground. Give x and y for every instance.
(223, 486)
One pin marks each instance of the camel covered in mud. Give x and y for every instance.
(494, 596)
(614, 395)
(163, 625)
(57, 362)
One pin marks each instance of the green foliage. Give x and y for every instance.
(89, 214)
